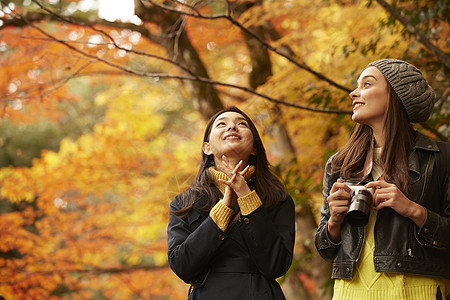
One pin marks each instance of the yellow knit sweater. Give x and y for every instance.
(367, 284)
(222, 214)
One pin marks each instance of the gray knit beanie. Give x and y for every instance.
(411, 87)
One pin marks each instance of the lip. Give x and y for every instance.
(357, 104)
(232, 136)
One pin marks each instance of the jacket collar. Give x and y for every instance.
(422, 143)
(425, 143)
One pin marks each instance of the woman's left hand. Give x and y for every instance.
(389, 195)
(237, 181)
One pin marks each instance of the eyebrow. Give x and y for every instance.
(367, 76)
(226, 118)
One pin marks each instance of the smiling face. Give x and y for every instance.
(231, 136)
(370, 98)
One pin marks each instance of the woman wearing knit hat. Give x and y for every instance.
(231, 233)
(401, 250)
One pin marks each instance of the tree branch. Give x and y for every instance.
(420, 36)
(109, 37)
(25, 94)
(191, 77)
(260, 40)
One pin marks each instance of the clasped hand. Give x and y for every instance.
(236, 186)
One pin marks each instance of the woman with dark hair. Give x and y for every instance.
(401, 250)
(231, 233)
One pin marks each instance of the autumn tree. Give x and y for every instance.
(102, 122)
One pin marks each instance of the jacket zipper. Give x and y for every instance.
(360, 248)
(411, 240)
(426, 177)
(412, 227)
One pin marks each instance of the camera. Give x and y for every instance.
(360, 203)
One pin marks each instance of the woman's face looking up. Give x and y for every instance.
(231, 136)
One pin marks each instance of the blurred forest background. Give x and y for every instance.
(102, 122)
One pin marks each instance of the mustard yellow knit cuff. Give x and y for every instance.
(249, 203)
(221, 215)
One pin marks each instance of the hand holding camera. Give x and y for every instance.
(338, 202)
(352, 203)
(349, 202)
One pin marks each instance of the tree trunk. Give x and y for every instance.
(174, 39)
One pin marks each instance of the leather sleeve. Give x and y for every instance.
(435, 230)
(324, 245)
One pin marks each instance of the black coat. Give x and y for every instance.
(240, 264)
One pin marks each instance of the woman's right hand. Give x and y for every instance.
(338, 202)
(229, 197)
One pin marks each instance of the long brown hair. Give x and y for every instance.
(269, 188)
(399, 141)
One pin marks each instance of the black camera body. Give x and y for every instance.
(359, 208)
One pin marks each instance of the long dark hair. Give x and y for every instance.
(399, 142)
(269, 188)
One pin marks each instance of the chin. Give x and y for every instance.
(358, 118)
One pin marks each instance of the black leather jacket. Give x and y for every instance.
(400, 245)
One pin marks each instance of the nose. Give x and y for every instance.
(354, 94)
(231, 126)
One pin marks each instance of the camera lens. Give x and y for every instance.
(359, 209)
